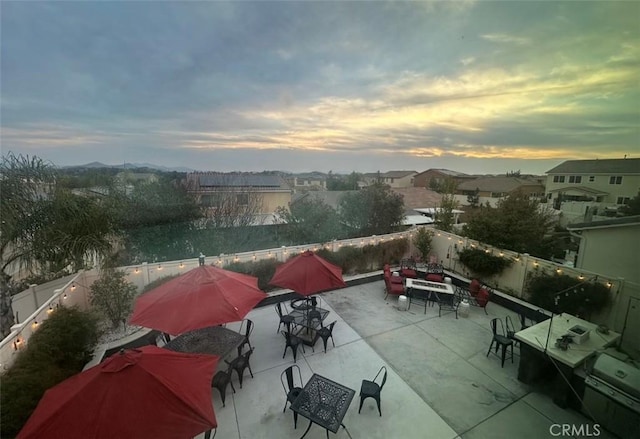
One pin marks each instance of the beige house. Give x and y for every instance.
(268, 191)
(492, 189)
(308, 182)
(610, 246)
(394, 179)
(611, 182)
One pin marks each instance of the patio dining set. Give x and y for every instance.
(430, 287)
(189, 314)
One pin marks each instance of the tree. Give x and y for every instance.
(513, 173)
(633, 207)
(231, 203)
(516, 224)
(23, 180)
(310, 220)
(342, 183)
(113, 296)
(152, 203)
(40, 222)
(80, 227)
(374, 210)
(473, 199)
(423, 241)
(444, 217)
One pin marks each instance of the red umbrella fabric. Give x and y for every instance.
(143, 393)
(202, 297)
(308, 274)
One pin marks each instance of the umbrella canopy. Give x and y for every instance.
(204, 296)
(308, 274)
(144, 393)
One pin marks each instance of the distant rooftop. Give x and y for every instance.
(448, 172)
(607, 166)
(240, 180)
(496, 184)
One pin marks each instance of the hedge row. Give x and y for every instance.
(60, 348)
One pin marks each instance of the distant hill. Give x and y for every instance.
(98, 165)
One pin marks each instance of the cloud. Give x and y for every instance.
(345, 79)
(506, 39)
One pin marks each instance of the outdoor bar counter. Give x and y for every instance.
(541, 358)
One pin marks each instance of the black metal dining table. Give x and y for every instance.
(213, 340)
(323, 402)
(308, 322)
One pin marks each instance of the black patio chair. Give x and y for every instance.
(248, 329)
(500, 339)
(291, 389)
(292, 342)
(511, 330)
(523, 321)
(285, 319)
(447, 302)
(220, 381)
(324, 333)
(240, 363)
(371, 389)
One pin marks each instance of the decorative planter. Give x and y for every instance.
(579, 334)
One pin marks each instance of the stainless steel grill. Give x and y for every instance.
(612, 396)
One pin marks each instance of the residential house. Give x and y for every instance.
(395, 179)
(492, 189)
(609, 246)
(439, 176)
(418, 197)
(330, 198)
(272, 191)
(610, 182)
(314, 181)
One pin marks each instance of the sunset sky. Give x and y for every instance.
(472, 86)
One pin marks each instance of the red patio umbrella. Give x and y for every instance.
(308, 274)
(204, 296)
(143, 393)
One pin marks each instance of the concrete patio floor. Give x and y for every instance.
(440, 383)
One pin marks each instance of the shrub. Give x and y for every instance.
(263, 270)
(581, 298)
(483, 263)
(156, 283)
(422, 241)
(57, 350)
(113, 296)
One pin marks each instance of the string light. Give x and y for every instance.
(73, 286)
(137, 270)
